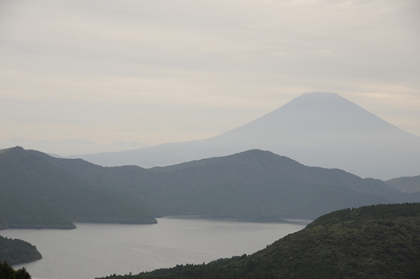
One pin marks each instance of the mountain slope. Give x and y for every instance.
(253, 185)
(405, 184)
(263, 166)
(318, 129)
(37, 194)
(369, 242)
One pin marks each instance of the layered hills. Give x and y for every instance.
(316, 129)
(370, 242)
(43, 191)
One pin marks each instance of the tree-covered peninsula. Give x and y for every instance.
(16, 251)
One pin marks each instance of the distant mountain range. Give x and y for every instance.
(70, 147)
(405, 184)
(39, 190)
(374, 242)
(317, 129)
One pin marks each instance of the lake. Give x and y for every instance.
(95, 250)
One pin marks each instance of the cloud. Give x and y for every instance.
(248, 57)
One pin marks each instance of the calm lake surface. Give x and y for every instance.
(94, 250)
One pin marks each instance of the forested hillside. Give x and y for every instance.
(253, 185)
(372, 242)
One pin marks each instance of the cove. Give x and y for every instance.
(94, 250)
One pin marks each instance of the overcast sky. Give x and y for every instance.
(162, 71)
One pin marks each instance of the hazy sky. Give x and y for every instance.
(163, 71)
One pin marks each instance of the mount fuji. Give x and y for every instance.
(316, 129)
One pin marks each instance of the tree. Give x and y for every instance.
(22, 274)
(7, 272)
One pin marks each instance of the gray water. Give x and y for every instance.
(94, 250)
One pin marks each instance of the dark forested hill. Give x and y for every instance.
(405, 184)
(37, 194)
(16, 251)
(252, 185)
(372, 242)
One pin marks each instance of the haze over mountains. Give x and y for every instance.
(316, 129)
(70, 147)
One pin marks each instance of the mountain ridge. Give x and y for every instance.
(273, 186)
(253, 185)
